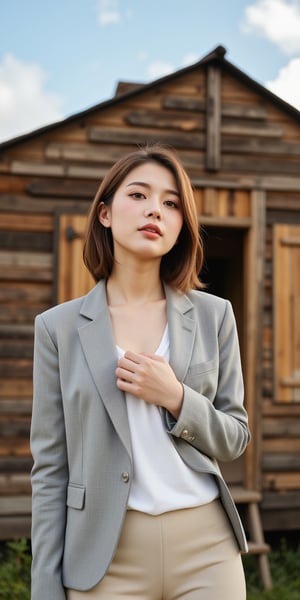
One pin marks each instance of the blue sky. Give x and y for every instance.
(59, 57)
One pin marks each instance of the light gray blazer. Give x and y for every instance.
(80, 437)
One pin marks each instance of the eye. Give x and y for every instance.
(137, 195)
(171, 204)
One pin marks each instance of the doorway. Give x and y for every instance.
(223, 274)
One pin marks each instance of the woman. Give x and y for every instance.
(137, 394)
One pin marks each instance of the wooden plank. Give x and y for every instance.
(283, 427)
(15, 527)
(247, 128)
(281, 444)
(217, 221)
(24, 204)
(18, 331)
(269, 409)
(18, 314)
(13, 222)
(250, 181)
(82, 153)
(26, 240)
(13, 406)
(260, 146)
(190, 103)
(284, 500)
(283, 201)
(165, 120)
(281, 481)
(26, 292)
(14, 388)
(25, 259)
(18, 446)
(21, 274)
(281, 520)
(133, 137)
(15, 483)
(10, 427)
(62, 188)
(34, 168)
(259, 164)
(17, 367)
(15, 505)
(213, 119)
(281, 462)
(15, 348)
(184, 103)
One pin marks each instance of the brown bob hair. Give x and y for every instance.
(180, 266)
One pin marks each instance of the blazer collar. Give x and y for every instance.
(99, 347)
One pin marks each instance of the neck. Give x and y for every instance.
(134, 285)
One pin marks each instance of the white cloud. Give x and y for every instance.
(109, 12)
(160, 68)
(190, 58)
(286, 84)
(276, 20)
(24, 103)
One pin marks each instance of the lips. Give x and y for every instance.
(151, 228)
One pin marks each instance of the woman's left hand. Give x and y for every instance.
(150, 377)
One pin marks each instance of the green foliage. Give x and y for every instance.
(15, 561)
(285, 573)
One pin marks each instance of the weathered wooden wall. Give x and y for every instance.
(242, 151)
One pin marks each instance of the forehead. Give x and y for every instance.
(153, 174)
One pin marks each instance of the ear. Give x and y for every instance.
(104, 215)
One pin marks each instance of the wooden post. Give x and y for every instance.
(213, 119)
(253, 294)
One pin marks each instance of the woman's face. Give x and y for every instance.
(145, 216)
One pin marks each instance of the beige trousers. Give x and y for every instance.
(188, 554)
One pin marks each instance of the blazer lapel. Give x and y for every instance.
(100, 351)
(182, 331)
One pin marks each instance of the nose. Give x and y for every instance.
(153, 210)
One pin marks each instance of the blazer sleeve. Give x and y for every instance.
(218, 428)
(50, 470)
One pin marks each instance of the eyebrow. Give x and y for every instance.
(146, 185)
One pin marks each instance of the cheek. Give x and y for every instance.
(178, 222)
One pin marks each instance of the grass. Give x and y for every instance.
(284, 560)
(285, 572)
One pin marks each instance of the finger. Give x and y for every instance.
(154, 357)
(129, 365)
(133, 356)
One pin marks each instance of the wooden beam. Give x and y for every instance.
(253, 269)
(213, 119)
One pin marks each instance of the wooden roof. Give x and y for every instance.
(128, 90)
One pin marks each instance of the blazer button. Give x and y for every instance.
(125, 477)
(185, 434)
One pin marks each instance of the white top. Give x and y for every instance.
(161, 480)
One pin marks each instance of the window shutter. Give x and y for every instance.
(287, 313)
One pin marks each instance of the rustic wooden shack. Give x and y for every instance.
(241, 147)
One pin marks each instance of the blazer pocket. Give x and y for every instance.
(203, 378)
(75, 496)
(202, 367)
